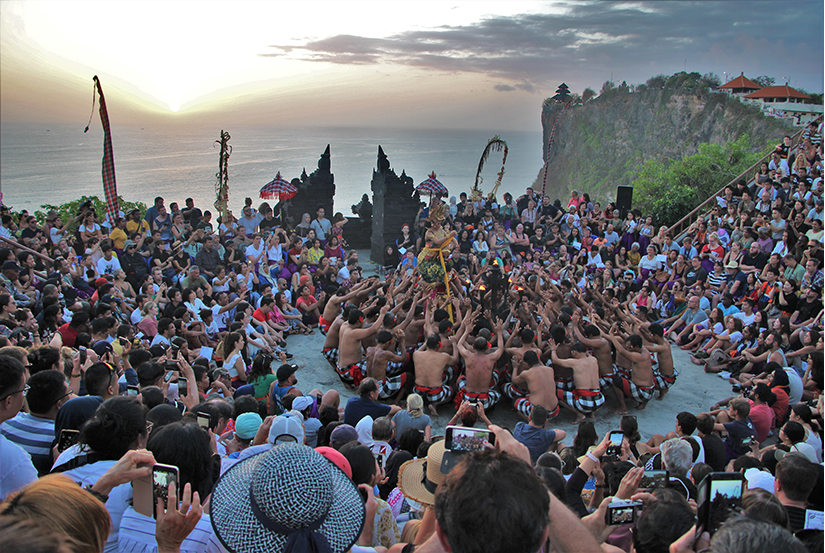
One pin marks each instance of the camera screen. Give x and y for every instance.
(468, 439)
(725, 497)
(622, 515)
(160, 484)
(616, 439)
(654, 479)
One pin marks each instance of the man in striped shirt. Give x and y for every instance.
(34, 431)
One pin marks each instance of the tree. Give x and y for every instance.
(672, 190)
(588, 94)
(764, 81)
(607, 86)
(712, 79)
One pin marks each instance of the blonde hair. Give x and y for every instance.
(415, 405)
(60, 504)
(146, 307)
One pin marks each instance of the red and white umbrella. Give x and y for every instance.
(278, 189)
(432, 187)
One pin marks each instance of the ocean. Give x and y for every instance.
(58, 163)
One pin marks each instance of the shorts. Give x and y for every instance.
(512, 391)
(606, 381)
(523, 406)
(332, 355)
(390, 386)
(642, 394)
(324, 325)
(586, 401)
(487, 399)
(664, 382)
(352, 374)
(434, 396)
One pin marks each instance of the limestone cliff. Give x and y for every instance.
(600, 144)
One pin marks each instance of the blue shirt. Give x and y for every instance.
(537, 440)
(359, 407)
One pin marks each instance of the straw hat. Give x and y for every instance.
(287, 498)
(419, 478)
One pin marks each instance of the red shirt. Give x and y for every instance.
(260, 317)
(68, 334)
(762, 419)
(780, 408)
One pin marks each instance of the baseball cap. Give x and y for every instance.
(302, 402)
(336, 458)
(11, 266)
(102, 347)
(247, 424)
(286, 429)
(732, 265)
(342, 435)
(285, 371)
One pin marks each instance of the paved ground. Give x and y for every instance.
(694, 391)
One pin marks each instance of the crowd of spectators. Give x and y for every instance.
(160, 338)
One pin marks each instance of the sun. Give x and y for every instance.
(174, 107)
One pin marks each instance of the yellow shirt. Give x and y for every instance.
(141, 227)
(118, 237)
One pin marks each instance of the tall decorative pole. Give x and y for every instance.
(108, 170)
(222, 184)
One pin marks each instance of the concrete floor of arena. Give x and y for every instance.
(695, 391)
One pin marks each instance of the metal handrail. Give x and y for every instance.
(685, 221)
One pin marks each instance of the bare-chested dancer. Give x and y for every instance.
(350, 365)
(333, 307)
(430, 365)
(379, 358)
(601, 348)
(586, 397)
(480, 380)
(640, 385)
(534, 386)
(664, 372)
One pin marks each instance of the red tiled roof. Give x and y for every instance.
(741, 82)
(783, 91)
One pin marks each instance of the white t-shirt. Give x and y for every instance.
(108, 267)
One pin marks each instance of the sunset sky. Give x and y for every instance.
(401, 64)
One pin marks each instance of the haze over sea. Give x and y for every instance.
(58, 163)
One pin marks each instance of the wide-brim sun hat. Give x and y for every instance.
(418, 479)
(289, 498)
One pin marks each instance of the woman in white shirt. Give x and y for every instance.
(480, 245)
(232, 347)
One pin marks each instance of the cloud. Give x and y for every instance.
(632, 40)
(504, 88)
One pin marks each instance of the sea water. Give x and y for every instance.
(53, 164)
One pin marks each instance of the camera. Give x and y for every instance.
(622, 512)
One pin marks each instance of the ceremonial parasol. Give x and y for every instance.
(278, 189)
(432, 187)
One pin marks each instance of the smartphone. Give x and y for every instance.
(132, 391)
(82, 350)
(460, 438)
(615, 447)
(67, 439)
(622, 512)
(203, 418)
(168, 376)
(182, 387)
(162, 476)
(654, 479)
(720, 494)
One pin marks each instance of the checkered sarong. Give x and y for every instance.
(523, 406)
(566, 385)
(642, 394)
(331, 355)
(664, 382)
(512, 391)
(434, 396)
(487, 399)
(585, 401)
(352, 374)
(391, 385)
(394, 369)
(606, 381)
